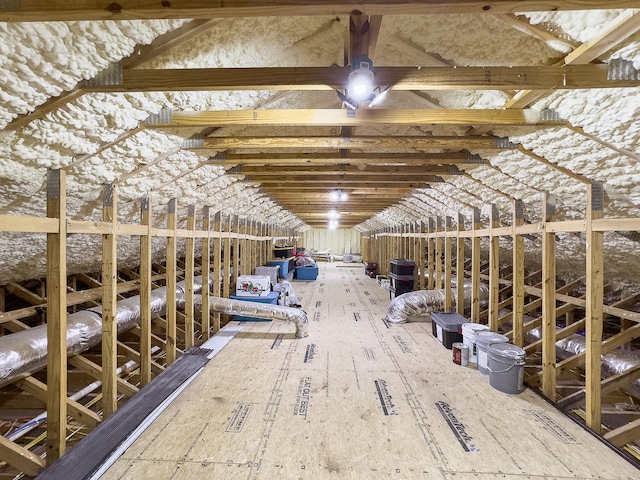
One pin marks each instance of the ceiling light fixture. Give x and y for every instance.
(333, 214)
(333, 224)
(360, 84)
(338, 196)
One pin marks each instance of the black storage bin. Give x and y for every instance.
(447, 327)
(283, 252)
(371, 269)
(402, 266)
(401, 283)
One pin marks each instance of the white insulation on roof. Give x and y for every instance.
(91, 135)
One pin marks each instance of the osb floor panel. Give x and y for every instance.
(356, 400)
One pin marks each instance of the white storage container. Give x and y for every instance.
(253, 286)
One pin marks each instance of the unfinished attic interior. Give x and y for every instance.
(155, 157)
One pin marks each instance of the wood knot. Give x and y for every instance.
(114, 8)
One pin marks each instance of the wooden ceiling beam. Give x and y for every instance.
(414, 143)
(550, 77)
(40, 11)
(340, 117)
(331, 185)
(298, 159)
(339, 169)
(332, 180)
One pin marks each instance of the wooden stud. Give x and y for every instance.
(21, 458)
(431, 274)
(56, 317)
(217, 266)
(448, 292)
(594, 312)
(145, 291)
(460, 267)
(475, 267)
(205, 315)
(518, 275)
(109, 302)
(227, 276)
(420, 252)
(438, 253)
(171, 314)
(494, 270)
(549, 372)
(188, 276)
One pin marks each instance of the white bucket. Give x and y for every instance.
(469, 331)
(506, 367)
(483, 340)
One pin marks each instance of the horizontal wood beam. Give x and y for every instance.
(543, 77)
(39, 11)
(20, 458)
(94, 370)
(340, 117)
(340, 169)
(331, 158)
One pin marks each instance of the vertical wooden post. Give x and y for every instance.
(227, 228)
(57, 317)
(145, 292)
(475, 267)
(241, 244)
(253, 254)
(217, 266)
(431, 274)
(189, 339)
(171, 283)
(549, 303)
(438, 253)
(421, 263)
(494, 270)
(460, 267)
(595, 300)
(205, 315)
(109, 302)
(518, 275)
(448, 292)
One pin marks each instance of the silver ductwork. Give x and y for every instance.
(614, 362)
(419, 302)
(259, 310)
(24, 353)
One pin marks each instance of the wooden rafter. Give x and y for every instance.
(38, 11)
(556, 77)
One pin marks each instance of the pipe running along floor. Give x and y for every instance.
(356, 400)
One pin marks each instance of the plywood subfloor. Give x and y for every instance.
(356, 400)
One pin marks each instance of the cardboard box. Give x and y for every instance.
(253, 286)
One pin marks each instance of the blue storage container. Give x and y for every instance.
(272, 298)
(306, 273)
(286, 265)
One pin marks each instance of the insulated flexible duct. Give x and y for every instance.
(259, 310)
(24, 353)
(426, 301)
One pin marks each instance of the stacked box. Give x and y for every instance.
(306, 273)
(253, 286)
(401, 283)
(402, 266)
(272, 298)
(286, 265)
(283, 252)
(447, 327)
(269, 270)
(371, 269)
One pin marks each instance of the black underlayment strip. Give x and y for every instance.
(87, 457)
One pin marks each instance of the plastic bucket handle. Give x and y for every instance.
(518, 363)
